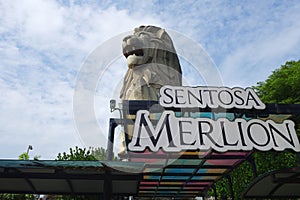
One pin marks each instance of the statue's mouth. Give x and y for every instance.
(131, 50)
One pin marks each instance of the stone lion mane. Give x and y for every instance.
(152, 63)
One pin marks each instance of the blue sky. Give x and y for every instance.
(44, 44)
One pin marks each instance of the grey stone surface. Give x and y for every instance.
(152, 63)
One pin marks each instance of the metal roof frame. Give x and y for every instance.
(280, 183)
(69, 177)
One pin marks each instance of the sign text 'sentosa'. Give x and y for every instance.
(213, 97)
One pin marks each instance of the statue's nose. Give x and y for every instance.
(127, 37)
(133, 41)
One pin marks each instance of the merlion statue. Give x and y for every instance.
(152, 63)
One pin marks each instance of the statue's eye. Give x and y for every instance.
(142, 34)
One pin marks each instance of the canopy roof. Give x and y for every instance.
(185, 175)
(168, 175)
(282, 183)
(68, 177)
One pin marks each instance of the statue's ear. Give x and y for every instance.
(160, 33)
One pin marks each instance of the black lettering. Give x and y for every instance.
(241, 133)
(220, 99)
(210, 95)
(168, 95)
(166, 123)
(250, 97)
(189, 94)
(224, 135)
(176, 96)
(250, 135)
(181, 132)
(207, 134)
(238, 97)
(289, 140)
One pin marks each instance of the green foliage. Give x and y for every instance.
(76, 154)
(99, 153)
(74, 197)
(282, 86)
(241, 177)
(84, 154)
(271, 160)
(17, 197)
(24, 156)
(222, 189)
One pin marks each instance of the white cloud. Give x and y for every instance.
(44, 43)
(256, 56)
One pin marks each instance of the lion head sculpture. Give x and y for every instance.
(152, 63)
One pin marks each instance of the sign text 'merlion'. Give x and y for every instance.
(174, 134)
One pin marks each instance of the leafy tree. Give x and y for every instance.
(100, 153)
(84, 154)
(76, 154)
(282, 86)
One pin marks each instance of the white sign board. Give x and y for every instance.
(174, 134)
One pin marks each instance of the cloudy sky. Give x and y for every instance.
(45, 46)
